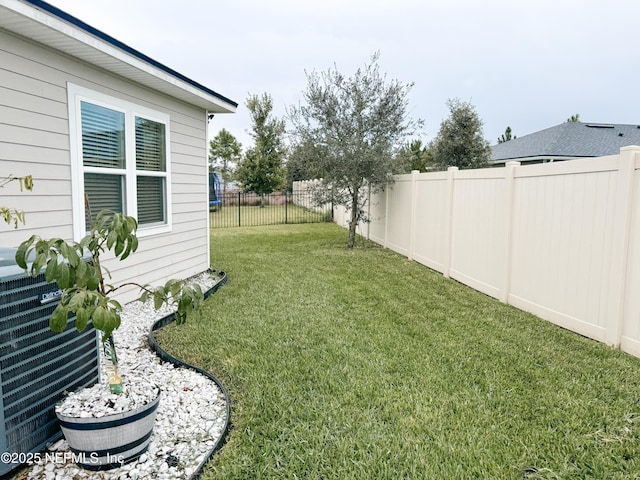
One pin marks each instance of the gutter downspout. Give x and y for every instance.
(208, 118)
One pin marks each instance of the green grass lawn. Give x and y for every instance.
(363, 365)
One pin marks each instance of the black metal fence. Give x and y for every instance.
(238, 209)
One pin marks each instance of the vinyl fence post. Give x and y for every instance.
(386, 214)
(414, 208)
(509, 175)
(448, 234)
(621, 236)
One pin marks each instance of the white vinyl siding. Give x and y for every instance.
(35, 139)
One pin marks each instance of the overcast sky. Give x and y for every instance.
(525, 64)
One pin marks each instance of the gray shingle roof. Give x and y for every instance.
(569, 139)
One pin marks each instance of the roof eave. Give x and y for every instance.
(43, 23)
(537, 158)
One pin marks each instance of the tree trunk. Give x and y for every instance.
(354, 219)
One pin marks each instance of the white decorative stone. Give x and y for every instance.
(191, 405)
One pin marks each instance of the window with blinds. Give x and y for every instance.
(124, 162)
(103, 156)
(150, 168)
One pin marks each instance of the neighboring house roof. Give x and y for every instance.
(51, 26)
(566, 141)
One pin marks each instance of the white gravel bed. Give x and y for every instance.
(190, 418)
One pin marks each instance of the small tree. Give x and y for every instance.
(261, 170)
(11, 215)
(300, 165)
(574, 118)
(506, 136)
(85, 291)
(352, 129)
(224, 154)
(415, 156)
(460, 142)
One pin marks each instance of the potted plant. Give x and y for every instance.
(103, 439)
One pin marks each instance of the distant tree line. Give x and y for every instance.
(354, 133)
(272, 164)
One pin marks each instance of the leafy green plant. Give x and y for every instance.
(77, 269)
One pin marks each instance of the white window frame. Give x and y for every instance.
(78, 94)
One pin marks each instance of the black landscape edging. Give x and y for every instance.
(166, 357)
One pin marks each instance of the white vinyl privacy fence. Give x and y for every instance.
(560, 240)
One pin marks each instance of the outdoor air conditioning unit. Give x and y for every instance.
(37, 365)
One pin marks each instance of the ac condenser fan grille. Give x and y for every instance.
(37, 366)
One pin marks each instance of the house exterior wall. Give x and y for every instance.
(34, 139)
(560, 240)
